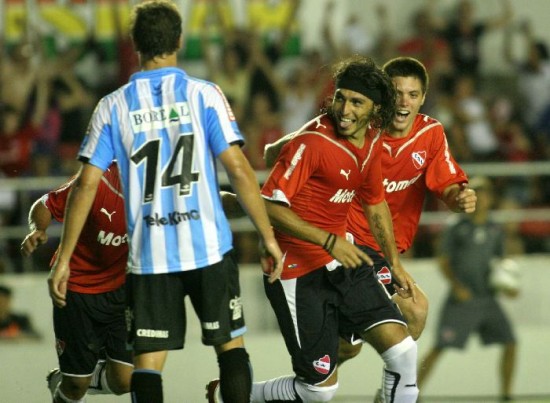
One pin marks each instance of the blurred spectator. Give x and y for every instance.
(463, 34)
(471, 111)
(262, 127)
(424, 43)
(469, 248)
(533, 83)
(356, 39)
(533, 74)
(73, 102)
(19, 132)
(14, 326)
(18, 77)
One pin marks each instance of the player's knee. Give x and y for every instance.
(119, 382)
(347, 351)
(415, 312)
(74, 387)
(315, 394)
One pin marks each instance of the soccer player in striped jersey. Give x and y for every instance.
(92, 325)
(167, 130)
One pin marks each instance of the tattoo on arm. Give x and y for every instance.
(378, 231)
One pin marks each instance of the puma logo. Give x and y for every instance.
(346, 174)
(110, 215)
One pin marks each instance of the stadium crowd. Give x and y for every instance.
(49, 86)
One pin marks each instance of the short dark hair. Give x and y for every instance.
(408, 67)
(156, 28)
(364, 70)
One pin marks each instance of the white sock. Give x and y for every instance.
(399, 380)
(274, 389)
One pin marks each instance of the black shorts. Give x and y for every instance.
(156, 311)
(482, 315)
(315, 310)
(88, 327)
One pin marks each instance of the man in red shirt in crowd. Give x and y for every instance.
(92, 324)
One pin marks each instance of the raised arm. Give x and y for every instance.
(459, 198)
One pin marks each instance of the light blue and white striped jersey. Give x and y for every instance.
(166, 129)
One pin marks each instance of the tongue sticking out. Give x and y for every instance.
(345, 124)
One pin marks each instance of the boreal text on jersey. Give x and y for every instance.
(161, 117)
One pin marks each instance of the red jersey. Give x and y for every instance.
(410, 165)
(98, 263)
(317, 175)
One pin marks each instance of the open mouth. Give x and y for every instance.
(345, 123)
(401, 115)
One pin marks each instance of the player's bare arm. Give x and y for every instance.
(78, 207)
(39, 221)
(285, 220)
(460, 198)
(380, 222)
(243, 180)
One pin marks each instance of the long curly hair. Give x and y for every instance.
(156, 28)
(364, 70)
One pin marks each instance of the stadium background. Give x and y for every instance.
(469, 376)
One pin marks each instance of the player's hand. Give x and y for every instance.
(33, 241)
(407, 285)
(271, 259)
(466, 199)
(57, 283)
(349, 255)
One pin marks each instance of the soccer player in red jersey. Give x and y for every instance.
(415, 159)
(92, 324)
(328, 286)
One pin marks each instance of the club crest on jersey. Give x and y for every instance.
(322, 365)
(384, 275)
(418, 158)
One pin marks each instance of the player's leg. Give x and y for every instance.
(73, 329)
(211, 288)
(147, 300)
(456, 321)
(415, 312)
(306, 312)
(111, 377)
(508, 364)
(497, 328)
(368, 306)
(399, 352)
(112, 374)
